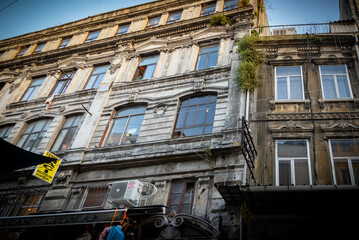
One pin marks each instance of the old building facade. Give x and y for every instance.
(143, 93)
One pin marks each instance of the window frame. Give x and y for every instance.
(154, 24)
(104, 195)
(288, 83)
(39, 48)
(22, 51)
(93, 38)
(292, 162)
(5, 131)
(63, 40)
(176, 19)
(230, 7)
(96, 84)
(33, 88)
(127, 26)
(182, 194)
(336, 82)
(26, 210)
(65, 77)
(128, 119)
(208, 6)
(349, 162)
(39, 134)
(204, 124)
(140, 73)
(207, 56)
(77, 119)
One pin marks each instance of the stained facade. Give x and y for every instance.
(147, 92)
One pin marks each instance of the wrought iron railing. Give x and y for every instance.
(276, 30)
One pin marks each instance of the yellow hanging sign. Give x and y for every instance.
(47, 171)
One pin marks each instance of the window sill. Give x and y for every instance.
(306, 102)
(323, 102)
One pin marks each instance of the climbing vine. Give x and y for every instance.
(251, 59)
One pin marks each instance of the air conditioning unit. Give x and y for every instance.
(127, 193)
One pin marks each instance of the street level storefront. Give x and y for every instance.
(294, 212)
(136, 223)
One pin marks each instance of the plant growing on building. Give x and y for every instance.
(207, 154)
(220, 19)
(251, 59)
(243, 3)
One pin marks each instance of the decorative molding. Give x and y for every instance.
(160, 110)
(291, 126)
(342, 125)
(114, 67)
(263, 116)
(198, 85)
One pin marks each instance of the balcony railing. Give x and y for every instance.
(277, 30)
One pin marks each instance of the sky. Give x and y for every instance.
(19, 17)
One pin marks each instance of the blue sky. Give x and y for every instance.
(18, 17)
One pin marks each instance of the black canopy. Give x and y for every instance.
(14, 158)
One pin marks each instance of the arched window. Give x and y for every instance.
(126, 126)
(67, 133)
(33, 134)
(195, 116)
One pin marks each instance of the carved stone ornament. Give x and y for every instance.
(114, 67)
(134, 95)
(198, 85)
(160, 111)
(14, 86)
(290, 126)
(342, 125)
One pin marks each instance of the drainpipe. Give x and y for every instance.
(247, 107)
(356, 45)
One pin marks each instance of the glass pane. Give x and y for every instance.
(39, 125)
(191, 114)
(149, 71)
(208, 129)
(180, 118)
(185, 208)
(211, 113)
(176, 198)
(342, 171)
(288, 71)
(91, 82)
(329, 87)
(344, 91)
(355, 164)
(296, 91)
(59, 86)
(282, 89)
(21, 141)
(174, 17)
(69, 121)
(193, 131)
(292, 149)
(301, 172)
(123, 29)
(100, 69)
(284, 173)
(333, 69)
(66, 144)
(133, 129)
(345, 148)
(178, 187)
(201, 62)
(131, 111)
(212, 60)
(117, 130)
(187, 198)
(59, 139)
(198, 100)
(28, 94)
(208, 49)
(201, 113)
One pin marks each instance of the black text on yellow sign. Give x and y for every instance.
(47, 171)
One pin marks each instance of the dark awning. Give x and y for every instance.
(14, 158)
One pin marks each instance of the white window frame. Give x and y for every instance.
(336, 82)
(349, 159)
(292, 161)
(288, 83)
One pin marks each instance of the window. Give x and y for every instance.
(65, 42)
(195, 116)
(208, 9)
(230, 4)
(181, 197)
(63, 82)
(174, 17)
(207, 57)
(345, 161)
(96, 77)
(33, 134)
(126, 126)
(32, 89)
(30, 205)
(123, 29)
(1, 53)
(39, 47)
(335, 82)
(146, 68)
(22, 51)
(5, 131)
(67, 133)
(92, 36)
(95, 198)
(292, 163)
(289, 84)
(153, 22)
